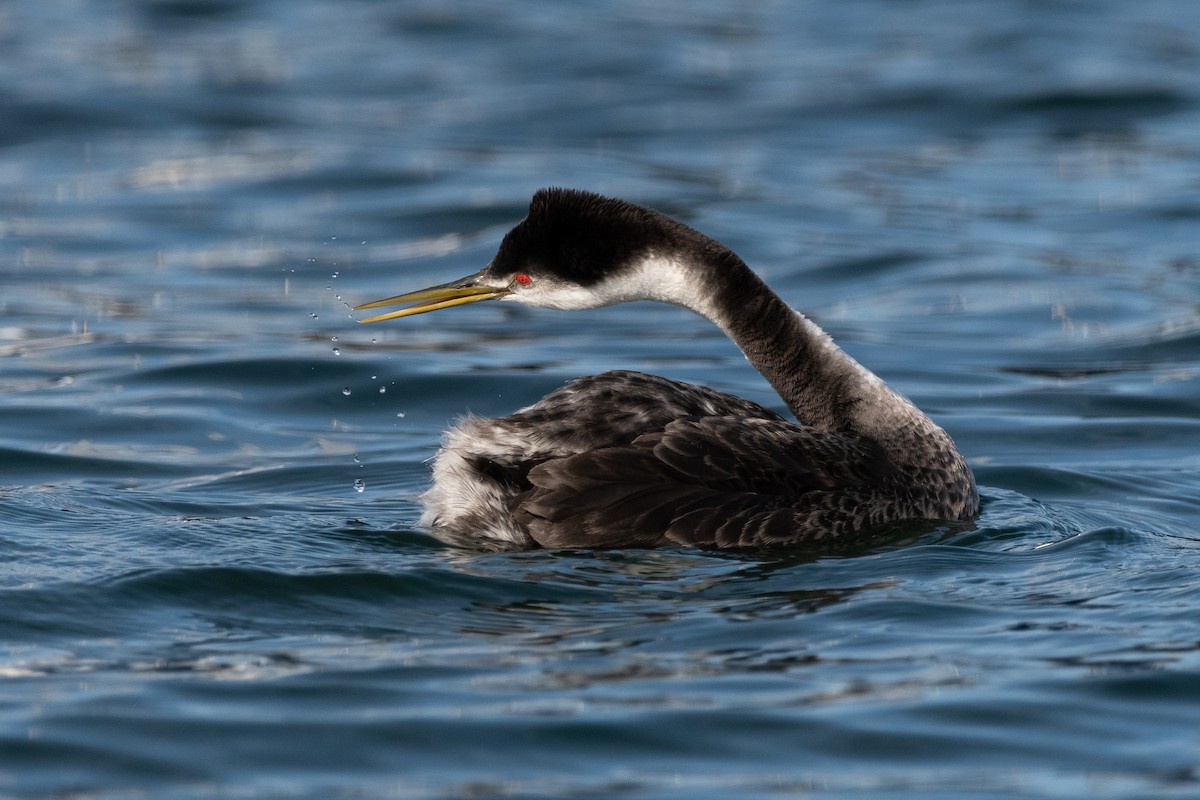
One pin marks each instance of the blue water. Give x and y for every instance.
(995, 205)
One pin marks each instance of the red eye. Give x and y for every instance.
(521, 279)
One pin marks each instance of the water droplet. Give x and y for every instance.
(356, 459)
(337, 351)
(314, 316)
(400, 414)
(359, 486)
(346, 391)
(383, 390)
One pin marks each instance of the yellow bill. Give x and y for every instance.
(446, 295)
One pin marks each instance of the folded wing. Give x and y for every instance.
(724, 481)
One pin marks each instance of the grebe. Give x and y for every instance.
(626, 459)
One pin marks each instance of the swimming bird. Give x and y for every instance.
(626, 459)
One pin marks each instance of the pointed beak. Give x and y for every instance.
(455, 293)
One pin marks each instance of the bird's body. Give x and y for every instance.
(629, 459)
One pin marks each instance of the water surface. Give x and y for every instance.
(210, 580)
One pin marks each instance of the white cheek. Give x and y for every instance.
(654, 278)
(566, 296)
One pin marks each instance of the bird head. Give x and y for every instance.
(573, 250)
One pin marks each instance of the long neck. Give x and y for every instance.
(822, 385)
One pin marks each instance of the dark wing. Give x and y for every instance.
(614, 408)
(589, 413)
(711, 482)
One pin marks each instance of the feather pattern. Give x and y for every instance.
(711, 482)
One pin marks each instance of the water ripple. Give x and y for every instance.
(210, 579)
